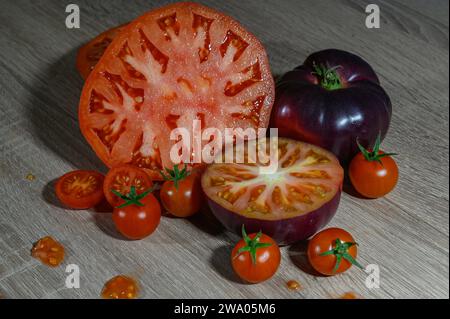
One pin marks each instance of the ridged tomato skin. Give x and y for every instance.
(333, 119)
(283, 231)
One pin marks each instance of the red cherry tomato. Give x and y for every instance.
(121, 178)
(139, 216)
(332, 251)
(373, 173)
(181, 193)
(80, 189)
(256, 257)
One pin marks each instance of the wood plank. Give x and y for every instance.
(405, 233)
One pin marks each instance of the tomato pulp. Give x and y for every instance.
(169, 67)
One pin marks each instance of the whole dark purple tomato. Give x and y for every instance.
(332, 100)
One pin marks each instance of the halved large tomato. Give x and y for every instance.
(291, 204)
(171, 66)
(90, 53)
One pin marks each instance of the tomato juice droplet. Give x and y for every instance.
(30, 177)
(48, 251)
(349, 295)
(120, 287)
(293, 285)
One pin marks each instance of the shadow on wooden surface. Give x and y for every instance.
(299, 257)
(48, 194)
(224, 269)
(105, 223)
(205, 221)
(53, 113)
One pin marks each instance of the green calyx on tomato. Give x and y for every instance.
(251, 245)
(328, 77)
(175, 174)
(132, 198)
(374, 154)
(340, 250)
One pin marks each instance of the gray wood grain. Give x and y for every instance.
(405, 233)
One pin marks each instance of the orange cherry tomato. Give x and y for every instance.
(181, 193)
(256, 257)
(80, 189)
(332, 251)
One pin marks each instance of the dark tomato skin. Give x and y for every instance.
(324, 241)
(372, 179)
(333, 119)
(185, 200)
(80, 189)
(267, 260)
(137, 222)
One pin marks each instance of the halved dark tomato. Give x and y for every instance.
(90, 53)
(291, 204)
(80, 189)
(171, 66)
(121, 179)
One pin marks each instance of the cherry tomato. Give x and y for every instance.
(255, 257)
(80, 189)
(332, 251)
(121, 178)
(181, 193)
(373, 173)
(139, 216)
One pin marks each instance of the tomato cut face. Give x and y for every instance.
(171, 66)
(80, 189)
(90, 53)
(121, 179)
(306, 178)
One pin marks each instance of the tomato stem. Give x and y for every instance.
(251, 245)
(328, 77)
(175, 174)
(375, 154)
(340, 250)
(132, 198)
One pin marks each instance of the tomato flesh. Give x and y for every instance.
(171, 66)
(80, 189)
(306, 178)
(121, 179)
(90, 53)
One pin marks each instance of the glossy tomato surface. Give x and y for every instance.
(80, 189)
(183, 199)
(332, 119)
(373, 179)
(290, 204)
(169, 67)
(121, 179)
(137, 222)
(266, 262)
(90, 53)
(325, 241)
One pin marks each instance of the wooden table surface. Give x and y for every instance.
(405, 233)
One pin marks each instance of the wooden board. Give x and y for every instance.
(405, 233)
